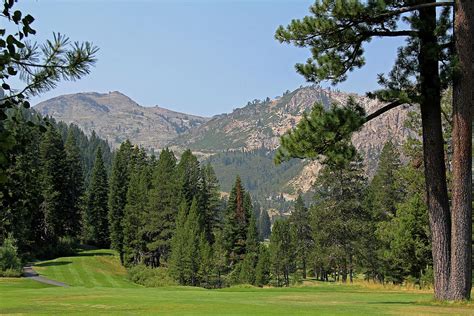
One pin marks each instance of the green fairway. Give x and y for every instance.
(98, 285)
(92, 268)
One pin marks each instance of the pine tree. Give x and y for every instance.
(178, 243)
(189, 174)
(54, 177)
(74, 187)
(96, 226)
(21, 191)
(134, 213)
(219, 256)
(300, 219)
(236, 222)
(210, 201)
(119, 180)
(264, 225)
(191, 247)
(336, 33)
(161, 211)
(262, 271)
(339, 218)
(383, 195)
(282, 252)
(247, 272)
(206, 264)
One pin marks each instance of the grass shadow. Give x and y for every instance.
(93, 254)
(52, 263)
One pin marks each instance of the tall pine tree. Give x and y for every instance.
(96, 226)
(119, 180)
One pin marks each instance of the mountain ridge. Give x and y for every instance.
(116, 117)
(257, 125)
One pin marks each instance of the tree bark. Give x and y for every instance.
(433, 152)
(463, 102)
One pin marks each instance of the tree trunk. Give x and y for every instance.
(433, 153)
(304, 268)
(463, 99)
(344, 271)
(351, 270)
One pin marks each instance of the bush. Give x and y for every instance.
(150, 277)
(10, 263)
(427, 279)
(10, 273)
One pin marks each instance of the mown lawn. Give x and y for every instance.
(101, 289)
(91, 268)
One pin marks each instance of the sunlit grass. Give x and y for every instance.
(99, 286)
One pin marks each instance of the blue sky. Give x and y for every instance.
(202, 57)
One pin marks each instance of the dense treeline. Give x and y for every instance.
(166, 213)
(43, 193)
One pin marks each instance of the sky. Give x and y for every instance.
(202, 57)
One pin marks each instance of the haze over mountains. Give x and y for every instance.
(258, 125)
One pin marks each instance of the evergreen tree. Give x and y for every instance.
(191, 248)
(178, 243)
(74, 189)
(189, 174)
(219, 256)
(236, 223)
(264, 225)
(210, 200)
(206, 264)
(336, 33)
(161, 211)
(133, 219)
(383, 194)
(54, 178)
(247, 271)
(381, 201)
(338, 216)
(96, 226)
(119, 180)
(282, 252)
(21, 190)
(262, 271)
(300, 219)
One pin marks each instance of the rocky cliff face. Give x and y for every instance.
(115, 117)
(261, 123)
(257, 125)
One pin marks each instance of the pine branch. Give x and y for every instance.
(382, 110)
(414, 8)
(391, 33)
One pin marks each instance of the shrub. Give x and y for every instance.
(150, 277)
(10, 263)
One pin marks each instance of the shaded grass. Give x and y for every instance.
(98, 286)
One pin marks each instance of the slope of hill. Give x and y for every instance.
(116, 117)
(261, 123)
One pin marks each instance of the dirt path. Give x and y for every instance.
(29, 273)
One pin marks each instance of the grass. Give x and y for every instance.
(98, 285)
(92, 268)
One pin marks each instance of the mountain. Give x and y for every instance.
(241, 142)
(115, 117)
(261, 123)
